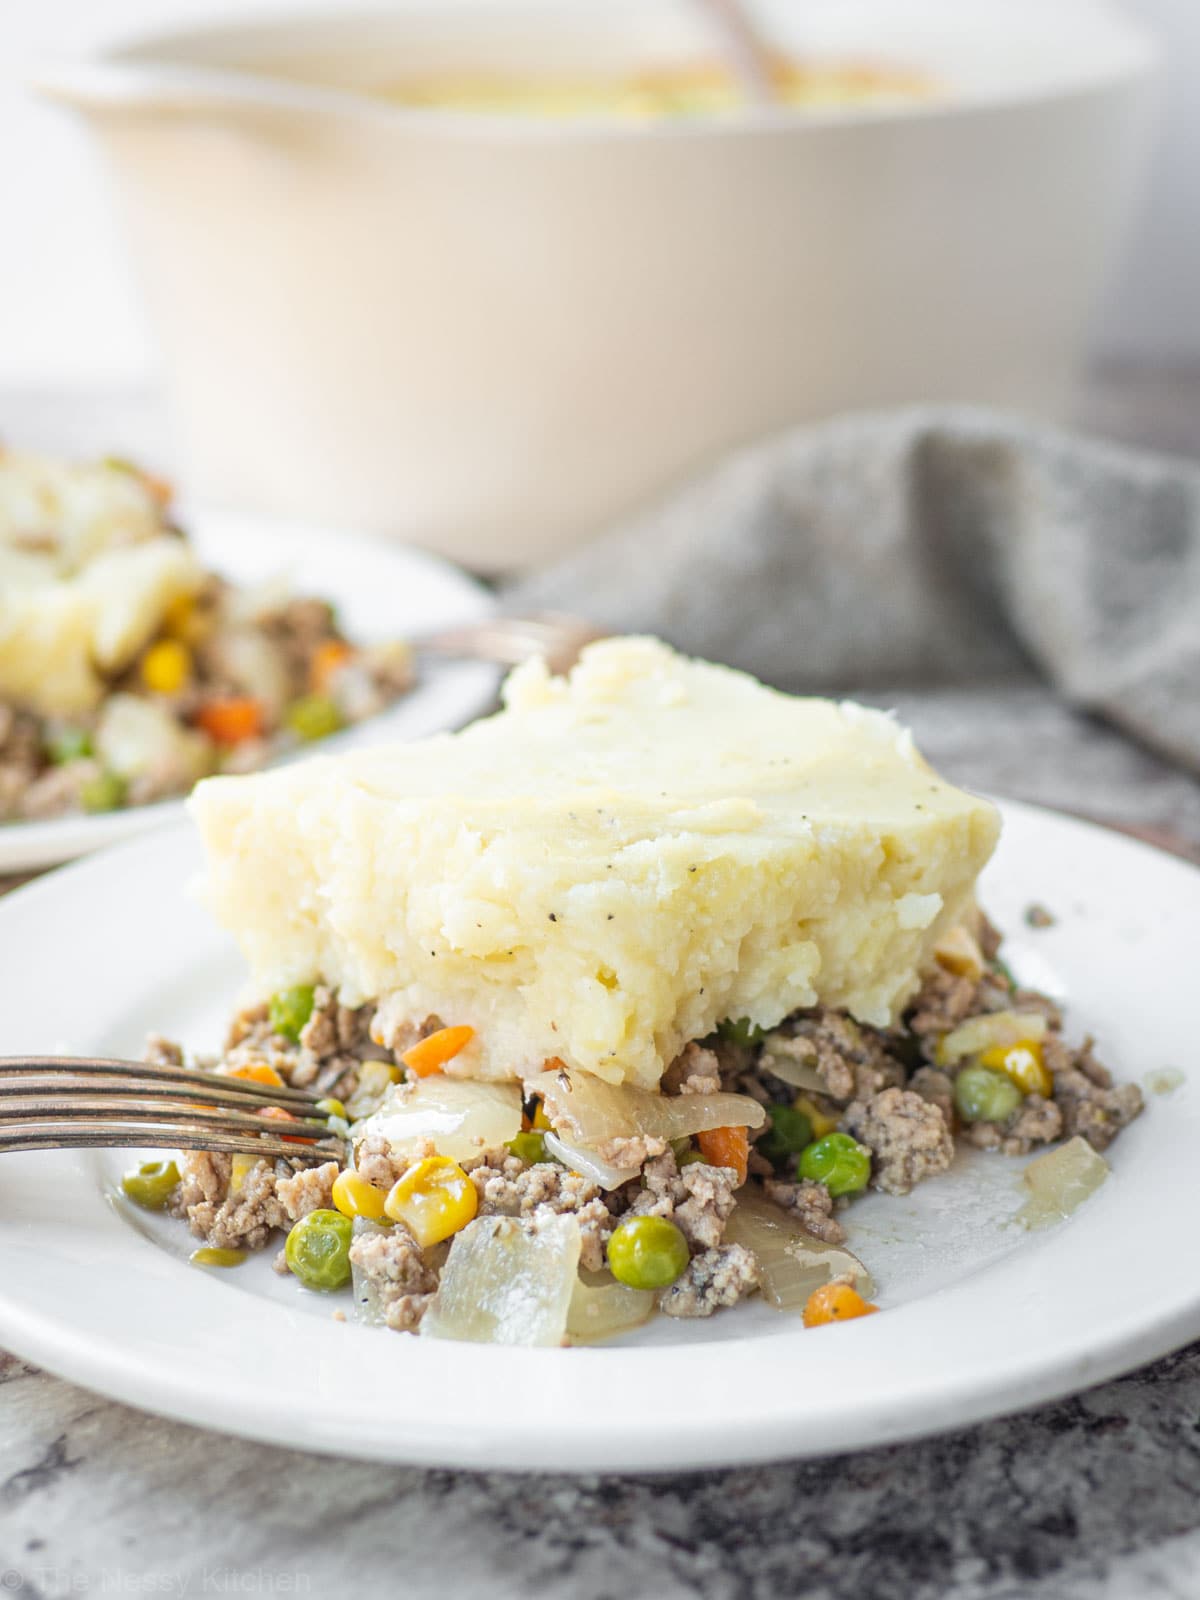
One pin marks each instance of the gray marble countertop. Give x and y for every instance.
(1097, 1496)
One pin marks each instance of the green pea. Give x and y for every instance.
(690, 1157)
(151, 1185)
(647, 1252)
(983, 1095)
(290, 1009)
(741, 1031)
(105, 792)
(838, 1161)
(314, 716)
(211, 1256)
(790, 1133)
(529, 1147)
(318, 1250)
(69, 744)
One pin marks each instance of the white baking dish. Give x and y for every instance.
(492, 335)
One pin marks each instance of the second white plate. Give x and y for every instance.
(381, 592)
(978, 1316)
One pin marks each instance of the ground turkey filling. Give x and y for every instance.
(880, 1086)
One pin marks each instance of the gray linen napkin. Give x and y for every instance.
(922, 549)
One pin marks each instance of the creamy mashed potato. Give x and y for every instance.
(606, 869)
(87, 572)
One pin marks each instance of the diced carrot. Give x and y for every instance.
(329, 655)
(726, 1147)
(431, 1055)
(278, 1114)
(835, 1302)
(232, 720)
(255, 1072)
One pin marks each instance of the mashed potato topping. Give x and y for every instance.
(88, 568)
(607, 868)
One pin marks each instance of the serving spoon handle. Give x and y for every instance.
(743, 47)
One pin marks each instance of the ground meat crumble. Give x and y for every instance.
(813, 1207)
(907, 1136)
(395, 1273)
(715, 1278)
(887, 1088)
(506, 1186)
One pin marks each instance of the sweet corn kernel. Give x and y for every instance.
(239, 1170)
(434, 1199)
(1023, 1063)
(167, 666)
(822, 1122)
(355, 1197)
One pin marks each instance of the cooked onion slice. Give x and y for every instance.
(793, 1261)
(1060, 1181)
(1001, 1028)
(800, 1074)
(460, 1115)
(600, 1309)
(588, 1163)
(587, 1111)
(507, 1281)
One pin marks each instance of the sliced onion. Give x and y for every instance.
(1060, 1181)
(794, 1262)
(460, 1115)
(589, 1111)
(800, 1074)
(600, 1309)
(588, 1163)
(254, 664)
(507, 1281)
(1003, 1028)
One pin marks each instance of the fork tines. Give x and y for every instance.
(66, 1102)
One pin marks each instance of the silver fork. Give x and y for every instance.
(511, 640)
(75, 1102)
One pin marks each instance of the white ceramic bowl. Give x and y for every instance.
(492, 335)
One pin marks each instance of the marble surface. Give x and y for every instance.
(1095, 1497)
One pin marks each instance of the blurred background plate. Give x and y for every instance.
(381, 592)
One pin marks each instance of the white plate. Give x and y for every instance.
(979, 1317)
(381, 592)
